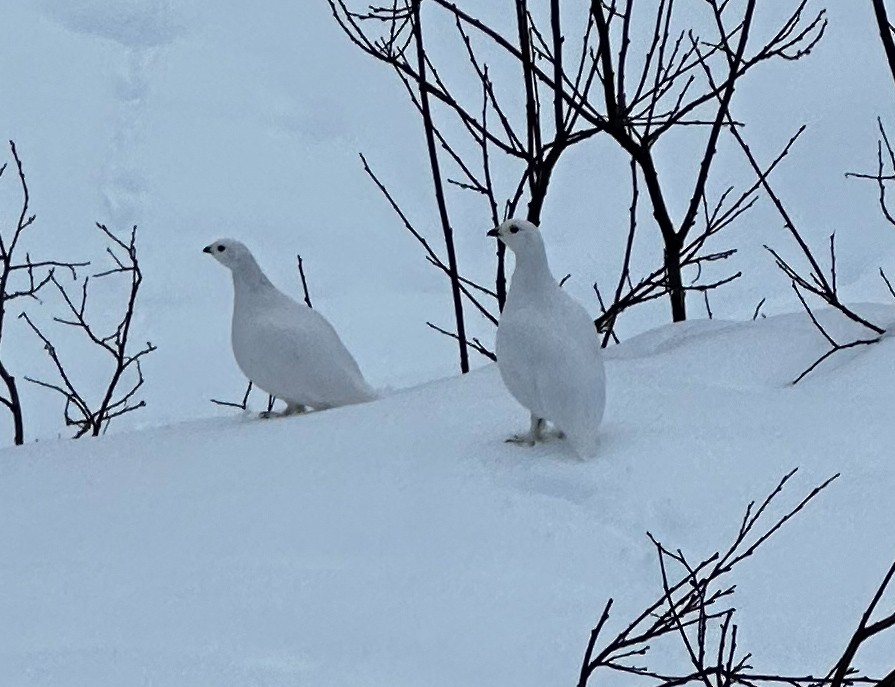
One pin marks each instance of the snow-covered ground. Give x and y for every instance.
(402, 542)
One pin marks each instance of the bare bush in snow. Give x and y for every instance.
(693, 613)
(20, 279)
(635, 74)
(811, 278)
(119, 393)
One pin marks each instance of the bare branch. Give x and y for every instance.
(304, 284)
(126, 376)
(474, 344)
(688, 605)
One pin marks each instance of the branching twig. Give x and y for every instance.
(126, 377)
(688, 605)
(842, 673)
(37, 275)
(474, 344)
(304, 281)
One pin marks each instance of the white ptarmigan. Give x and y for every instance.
(286, 348)
(548, 352)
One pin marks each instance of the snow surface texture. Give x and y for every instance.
(547, 350)
(286, 348)
(402, 542)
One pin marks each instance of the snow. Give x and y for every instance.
(402, 542)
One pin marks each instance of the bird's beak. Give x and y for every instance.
(207, 249)
(493, 232)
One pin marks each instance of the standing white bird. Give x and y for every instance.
(286, 348)
(547, 348)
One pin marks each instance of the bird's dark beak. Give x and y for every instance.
(493, 233)
(207, 249)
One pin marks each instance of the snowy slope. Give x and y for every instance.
(403, 543)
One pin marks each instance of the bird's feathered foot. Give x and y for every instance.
(534, 434)
(290, 409)
(554, 433)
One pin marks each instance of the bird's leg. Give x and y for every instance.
(534, 435)
(537, 428)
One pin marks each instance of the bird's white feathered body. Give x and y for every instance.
(284, 347)
(548, 352)
(292, 352)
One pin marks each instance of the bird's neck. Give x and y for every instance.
(532, 269)
(250, 278)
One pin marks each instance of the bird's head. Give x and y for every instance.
(517, 234)
(229, 252)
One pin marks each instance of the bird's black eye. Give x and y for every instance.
(514, 228)
(221, 249)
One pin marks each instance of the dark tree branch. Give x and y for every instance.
(242, 405)
(684, 79)
(842, 672)
(21, 280)
(474, 344)
(431, 255)
(687, 615)
(115, 401)
(304, 281)
(885, 32)
(881, 177)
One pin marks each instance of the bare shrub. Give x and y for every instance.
(693, 612)
(635, 73)
(92, 416)
(20, 279)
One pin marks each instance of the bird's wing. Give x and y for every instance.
(551, 362)
(579, 405)
(307, 360)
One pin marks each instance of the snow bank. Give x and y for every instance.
(402, 542)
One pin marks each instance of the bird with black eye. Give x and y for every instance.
(284, 347)
(548, 351)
